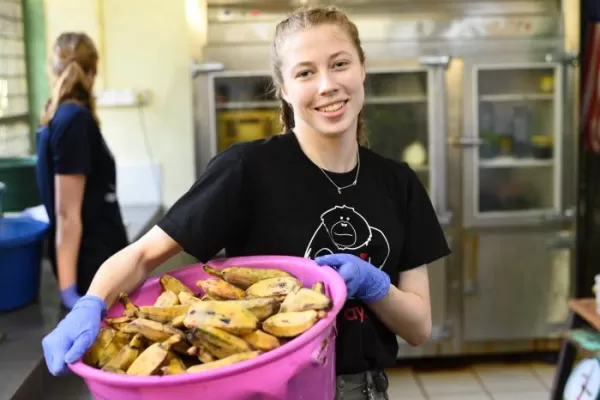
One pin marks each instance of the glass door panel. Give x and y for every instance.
(246, 109)
(516, 118)
(396, 115)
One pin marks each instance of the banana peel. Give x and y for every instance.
(188, 299)
(244, 277)
(291, 324)
(271, 287)
(260, 340)
(118, 323)
(221, 289)
(163, 314)
(126, 356)
(174, 365)
(218, 342)
(227, 315)
(172, 284)
(319, 287)
(262, 308)
(153, 357)
(167, 299)
(304, 299)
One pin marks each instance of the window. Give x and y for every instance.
(14, 127)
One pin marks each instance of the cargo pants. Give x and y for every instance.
(370, 385)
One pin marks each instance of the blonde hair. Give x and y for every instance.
(74, 58)
(300, 19)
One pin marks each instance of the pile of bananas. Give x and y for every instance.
(239, 314)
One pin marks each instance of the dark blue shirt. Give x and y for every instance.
(72, 144)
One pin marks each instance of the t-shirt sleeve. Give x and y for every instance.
(71, 146)
(211, 213)
(424, 238)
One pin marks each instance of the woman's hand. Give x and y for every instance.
(69, 297)
(74, 335)
(363, 280)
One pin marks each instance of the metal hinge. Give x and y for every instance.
(562, 58)
(435, 61)
(465, 141)
(205, 68)
(440, 333)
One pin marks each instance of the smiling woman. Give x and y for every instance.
(372, 220)
(320, 73)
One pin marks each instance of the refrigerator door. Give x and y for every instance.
(244, 108)
(405, 117)
(513, 141)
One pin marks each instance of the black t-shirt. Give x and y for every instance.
(267, 198)
(73, 144)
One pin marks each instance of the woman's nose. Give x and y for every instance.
(327, 84)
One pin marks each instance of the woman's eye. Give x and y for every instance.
(341, 64)
(303, 74)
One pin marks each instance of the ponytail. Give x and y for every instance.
(286, 116)
(361, 130)
(72, 84)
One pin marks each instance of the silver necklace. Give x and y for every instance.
(340, 188)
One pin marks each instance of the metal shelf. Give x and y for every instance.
(516, 97)
(395, 99)
(239, 105)
(9, 119)
(242, 105)
(510, 162)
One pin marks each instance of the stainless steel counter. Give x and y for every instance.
(22, 368)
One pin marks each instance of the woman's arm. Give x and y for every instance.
(406, 310)
(127, 269)
(68, 200)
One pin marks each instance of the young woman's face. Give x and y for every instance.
(323, 80)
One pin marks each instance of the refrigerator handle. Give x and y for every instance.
(566, 138)
(437, 127)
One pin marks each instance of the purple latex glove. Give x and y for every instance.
(74, 335)
(69, 296)
(363, 280)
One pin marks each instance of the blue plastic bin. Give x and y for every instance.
(21, 241)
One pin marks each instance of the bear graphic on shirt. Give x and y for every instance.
(343, 230)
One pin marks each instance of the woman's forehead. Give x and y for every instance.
(315, 44)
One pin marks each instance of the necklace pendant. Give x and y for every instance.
(339, 191)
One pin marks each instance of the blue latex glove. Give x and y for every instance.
(74, 335)
(363, 280)
(69, 296)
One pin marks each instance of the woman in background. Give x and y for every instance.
(76, 172)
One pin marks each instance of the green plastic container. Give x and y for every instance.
(18, 174)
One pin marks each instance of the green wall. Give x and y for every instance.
(35, 48)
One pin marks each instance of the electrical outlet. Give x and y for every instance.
(122, 98)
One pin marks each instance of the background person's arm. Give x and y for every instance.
(68, 201)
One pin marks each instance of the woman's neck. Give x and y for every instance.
(331, 153)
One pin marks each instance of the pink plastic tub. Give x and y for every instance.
(303, 369)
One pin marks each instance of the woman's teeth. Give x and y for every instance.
(332, 107)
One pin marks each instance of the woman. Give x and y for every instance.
(76, 172)
(368, 217)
